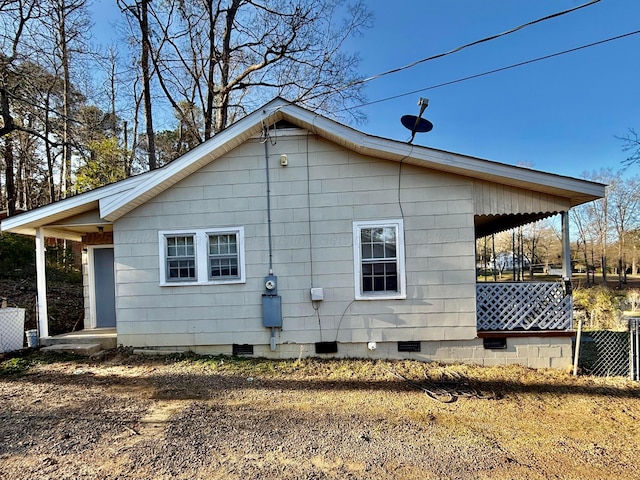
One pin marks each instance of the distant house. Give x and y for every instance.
(290, 234)
(505, 261)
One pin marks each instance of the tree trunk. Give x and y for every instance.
(620, 266)
(48, 153)
(224, 94)
(66, 101)
(20, 175)
(586, 263)
(146, 80)
(9, 178)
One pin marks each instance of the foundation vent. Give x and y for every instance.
(494, 343)
(326, 347)
(408, 346)
(240, 350)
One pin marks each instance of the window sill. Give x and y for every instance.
(381, 297)
(212, 282)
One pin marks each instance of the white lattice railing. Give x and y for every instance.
(523, 306)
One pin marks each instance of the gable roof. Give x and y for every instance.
(118, 199)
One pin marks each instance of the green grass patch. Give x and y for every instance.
(15, 366)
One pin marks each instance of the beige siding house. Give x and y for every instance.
(289, 234)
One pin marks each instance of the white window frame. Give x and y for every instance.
(201, 244)
(398, 224)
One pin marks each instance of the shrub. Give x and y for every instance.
(17, 255)
(633, 299)
(601, 306)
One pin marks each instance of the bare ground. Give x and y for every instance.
(225, 418)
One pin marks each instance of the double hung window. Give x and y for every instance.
(223, 256)
(181, 258)
(379, 260)
(204, 256)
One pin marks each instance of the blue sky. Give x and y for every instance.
(559, 115)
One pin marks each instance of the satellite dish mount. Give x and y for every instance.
(417, 124)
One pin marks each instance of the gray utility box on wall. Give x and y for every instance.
(271, 311)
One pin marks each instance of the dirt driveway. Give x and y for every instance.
(125, 417)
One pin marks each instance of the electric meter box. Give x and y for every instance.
(272, 311)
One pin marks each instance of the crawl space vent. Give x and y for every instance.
(496, 343)
(408, 346)
(326, 347)
(242, 349)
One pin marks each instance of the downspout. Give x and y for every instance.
(41, 284)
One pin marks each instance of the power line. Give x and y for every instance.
(462, 47)
(477, 42)
(501, 69)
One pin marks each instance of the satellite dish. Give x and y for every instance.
(416, 124)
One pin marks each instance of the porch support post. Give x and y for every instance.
(41, 284)
(566, 247)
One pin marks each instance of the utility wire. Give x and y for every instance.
(477, 42)
(462, 47)
(501, 69)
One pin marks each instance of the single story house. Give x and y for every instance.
(289, 234)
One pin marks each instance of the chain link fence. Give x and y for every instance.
(634, 346)
(608, 353)
(11, 329)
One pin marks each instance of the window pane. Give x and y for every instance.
(180, 246)
(223, 256)
(390, 250)
(367, 284)
(182, 269)
(392, 283)
(233, 267)
(379, 277)
(214, 247)
(224, 267)
(378, 242)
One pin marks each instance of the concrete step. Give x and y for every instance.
(106, 337)
(76, 348)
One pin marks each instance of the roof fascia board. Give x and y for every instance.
(574, 188)
(49, 232)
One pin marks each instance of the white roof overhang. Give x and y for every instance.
(116, 200)
(63, 219)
